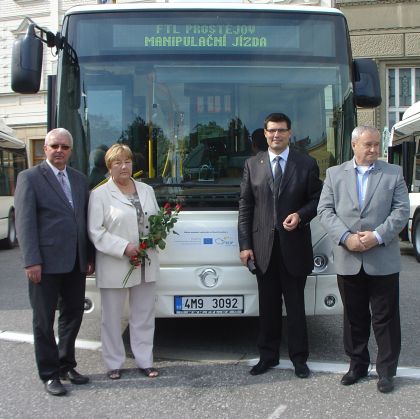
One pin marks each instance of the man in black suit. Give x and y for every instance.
(278, 200)
(51, 206)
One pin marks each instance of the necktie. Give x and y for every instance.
(65, 187)
(278, 174)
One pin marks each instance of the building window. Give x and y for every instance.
(391, 87)
(37, 152)
(403, 91)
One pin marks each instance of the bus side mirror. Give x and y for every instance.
(27, 63)
(366, 86)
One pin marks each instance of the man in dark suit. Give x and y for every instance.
(277, 202)
(51, 206)
(364, 205)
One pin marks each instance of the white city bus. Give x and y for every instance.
(405, 151)
(12, 161)
(185, 86)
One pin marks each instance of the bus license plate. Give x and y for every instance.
(209, 304)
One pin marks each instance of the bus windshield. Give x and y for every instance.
(187, 91)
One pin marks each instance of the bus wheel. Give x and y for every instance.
(416, 237)
(10, 241)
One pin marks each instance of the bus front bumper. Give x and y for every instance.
(180, 294)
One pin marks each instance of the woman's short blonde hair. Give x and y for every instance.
(116, 152)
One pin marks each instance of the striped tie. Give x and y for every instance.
(65, 187)
(278, 174)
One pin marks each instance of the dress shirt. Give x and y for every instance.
(282, 162)
(362, 173)
(362, 177)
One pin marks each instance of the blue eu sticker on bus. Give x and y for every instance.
(207, 240)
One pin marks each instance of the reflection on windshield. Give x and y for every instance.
(190, 139)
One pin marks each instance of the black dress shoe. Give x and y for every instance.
(385, 384)
(74, 377)
(263, 366)
(55, 387)
(302, 370)
(352, 377)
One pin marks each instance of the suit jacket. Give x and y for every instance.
(299, 192)
(50, 232)
(112, 224)
(386, 209)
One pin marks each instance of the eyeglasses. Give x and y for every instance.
(57, 146)
(368, 146)
(279, 130)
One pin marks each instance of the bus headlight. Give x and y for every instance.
(320, 263)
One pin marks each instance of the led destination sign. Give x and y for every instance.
(213, 36)
(188, 36)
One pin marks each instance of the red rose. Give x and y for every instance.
(160, 225)
(135, 261)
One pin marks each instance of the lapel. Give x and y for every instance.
(351, 182)
(55, 185)
(289, 170)
(373, 181)
(76, 192)
(117, 194)
(263, 161)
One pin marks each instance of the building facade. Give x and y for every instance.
(27, 114)
(389, 32)
(386, 30)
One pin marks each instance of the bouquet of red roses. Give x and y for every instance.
(160, 226)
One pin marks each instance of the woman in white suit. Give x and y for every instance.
(117, 217)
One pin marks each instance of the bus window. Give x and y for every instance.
(12, 160)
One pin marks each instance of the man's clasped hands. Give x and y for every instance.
(361, 241)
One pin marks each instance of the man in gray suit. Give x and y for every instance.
(280, 189)
(51, 206)
(364, 205)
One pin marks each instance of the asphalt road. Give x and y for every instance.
(204, 367)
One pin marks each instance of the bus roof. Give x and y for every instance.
(200, 6)
(409, 125)
(7, 138)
